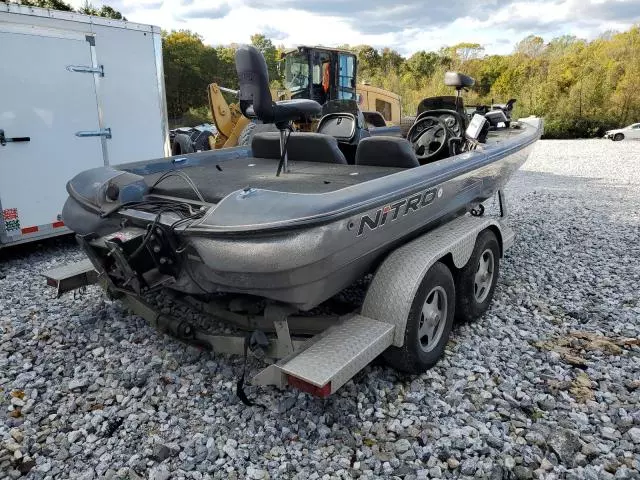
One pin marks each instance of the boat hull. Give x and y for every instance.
(309, 265)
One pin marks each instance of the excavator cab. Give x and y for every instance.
(320, 74)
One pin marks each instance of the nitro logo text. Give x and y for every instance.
(390, 212)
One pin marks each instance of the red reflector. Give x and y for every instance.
(51, 282)
(29, 230)
(57, 224)
(300, 384)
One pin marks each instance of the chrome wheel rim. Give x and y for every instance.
(432, 318)
(484, 276)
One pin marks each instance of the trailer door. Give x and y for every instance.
(43, 100)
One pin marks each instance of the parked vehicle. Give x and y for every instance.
(192, 139)
(632, 132)
(77, 92)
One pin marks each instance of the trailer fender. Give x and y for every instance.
(397, 279)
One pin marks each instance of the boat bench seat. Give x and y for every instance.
(383, 151)
(301, 146)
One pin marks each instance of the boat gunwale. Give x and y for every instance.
(326, 217)
(443, 173)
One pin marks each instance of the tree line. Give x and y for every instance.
(190, 65)
(87, 8)
(580, 87)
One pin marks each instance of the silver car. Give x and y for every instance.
(632, 132)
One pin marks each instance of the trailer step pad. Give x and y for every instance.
(71, 276)
(341, 352)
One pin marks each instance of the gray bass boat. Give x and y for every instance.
(297, 216)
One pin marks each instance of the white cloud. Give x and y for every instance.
(496, 25)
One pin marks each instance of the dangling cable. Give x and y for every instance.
(240, 384)
(184, 176)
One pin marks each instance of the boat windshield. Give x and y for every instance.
(296, 72)
(340, 106)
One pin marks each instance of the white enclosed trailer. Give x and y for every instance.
(76, 92)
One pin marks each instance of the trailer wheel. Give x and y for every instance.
(182, 144)
(244, 139)
(476, 281)
(428, 325)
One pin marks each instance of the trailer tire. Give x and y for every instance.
(182, 145)
(431, 314)
(244, 139)
(475, 287)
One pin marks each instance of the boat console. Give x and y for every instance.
(441, 128)
(496, 114)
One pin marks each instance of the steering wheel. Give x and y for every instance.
(451, 118)
(429, 137)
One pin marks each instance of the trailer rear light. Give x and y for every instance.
(322, 392)
(28, 230)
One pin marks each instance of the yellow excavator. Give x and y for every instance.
(314, 72)
(228, 118)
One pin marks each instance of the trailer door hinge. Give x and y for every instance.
(103, 132)
(85, 69)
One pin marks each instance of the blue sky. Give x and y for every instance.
(408, 26)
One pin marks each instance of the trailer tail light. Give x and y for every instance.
(28, 230)
(322, 392)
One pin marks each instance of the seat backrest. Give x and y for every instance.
(253, 76)
(382, 151)
(301, 146)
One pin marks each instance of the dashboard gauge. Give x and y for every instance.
(451, 122)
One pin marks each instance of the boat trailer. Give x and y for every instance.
(316, 354)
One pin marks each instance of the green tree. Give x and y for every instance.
(109, 12)
(390, 61)
(189, 66)
(531, 46)
(270, 53)
(52, 4)
(423, 64)
(368, 58)
(87, 8)
(463, 52)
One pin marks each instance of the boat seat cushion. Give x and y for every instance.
(383, 151)
(302, 146)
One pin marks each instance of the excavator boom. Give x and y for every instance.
(228, 118)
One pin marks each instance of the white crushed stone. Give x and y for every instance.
(497, 406)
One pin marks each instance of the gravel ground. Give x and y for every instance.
(545, 385)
